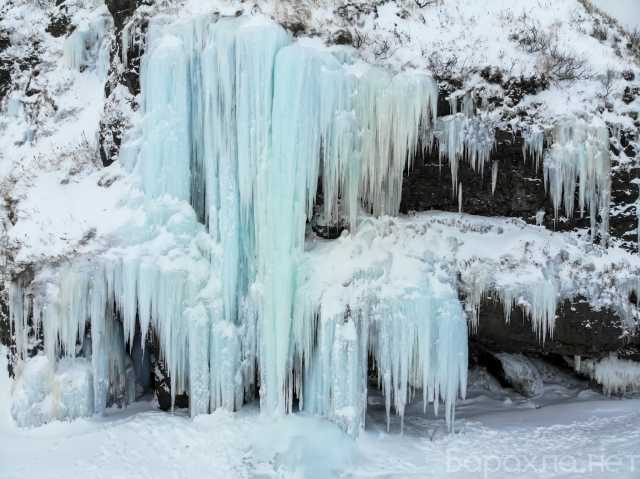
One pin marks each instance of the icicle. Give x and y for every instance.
(75, 48)
(494, 177)
(88, 42)
(460, 198)
(18, 316)
(580, 154)
(538, 301)
(533, 145)
(407, 321)
(465, 138)
(616, 376)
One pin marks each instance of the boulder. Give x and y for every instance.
(516, 371)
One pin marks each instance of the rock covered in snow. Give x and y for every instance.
(520, 373)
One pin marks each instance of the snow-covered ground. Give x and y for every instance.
(566, 431)
(592, 439)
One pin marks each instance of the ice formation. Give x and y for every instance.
(243, 132)
(533, 145)
(403, 314)
(88, 44)
(44, 391)
(615, 375)
(521, 374)
(580, 152)
(463, 135)
(577, 159)
(245, 125)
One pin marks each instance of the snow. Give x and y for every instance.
(6, 421)
(568, 440)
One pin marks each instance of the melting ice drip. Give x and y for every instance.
(244, 124)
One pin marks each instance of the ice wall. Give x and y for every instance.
(245, 125)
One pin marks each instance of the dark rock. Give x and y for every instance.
(5, 328)
(517, 88)
(296, 27)
(342, 37)
(630, 94)
(579, 330)
(444, 107)
(110, 135)
(5, 66)
(492, 75)
(519, 192)
(121, 10)
(623, 221)
(162, 386)
(113, 123)
(59, 26)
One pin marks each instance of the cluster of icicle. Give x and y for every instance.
(616, 376)
(464, 135)
(536, 299)
(244, 124)
(577, 159)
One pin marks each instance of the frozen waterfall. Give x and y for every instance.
(243, 131)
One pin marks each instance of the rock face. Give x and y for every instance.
(114, 122)
(5, 66)
(162, 386)
(520, 192)
(579, 331)
(121, 10)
